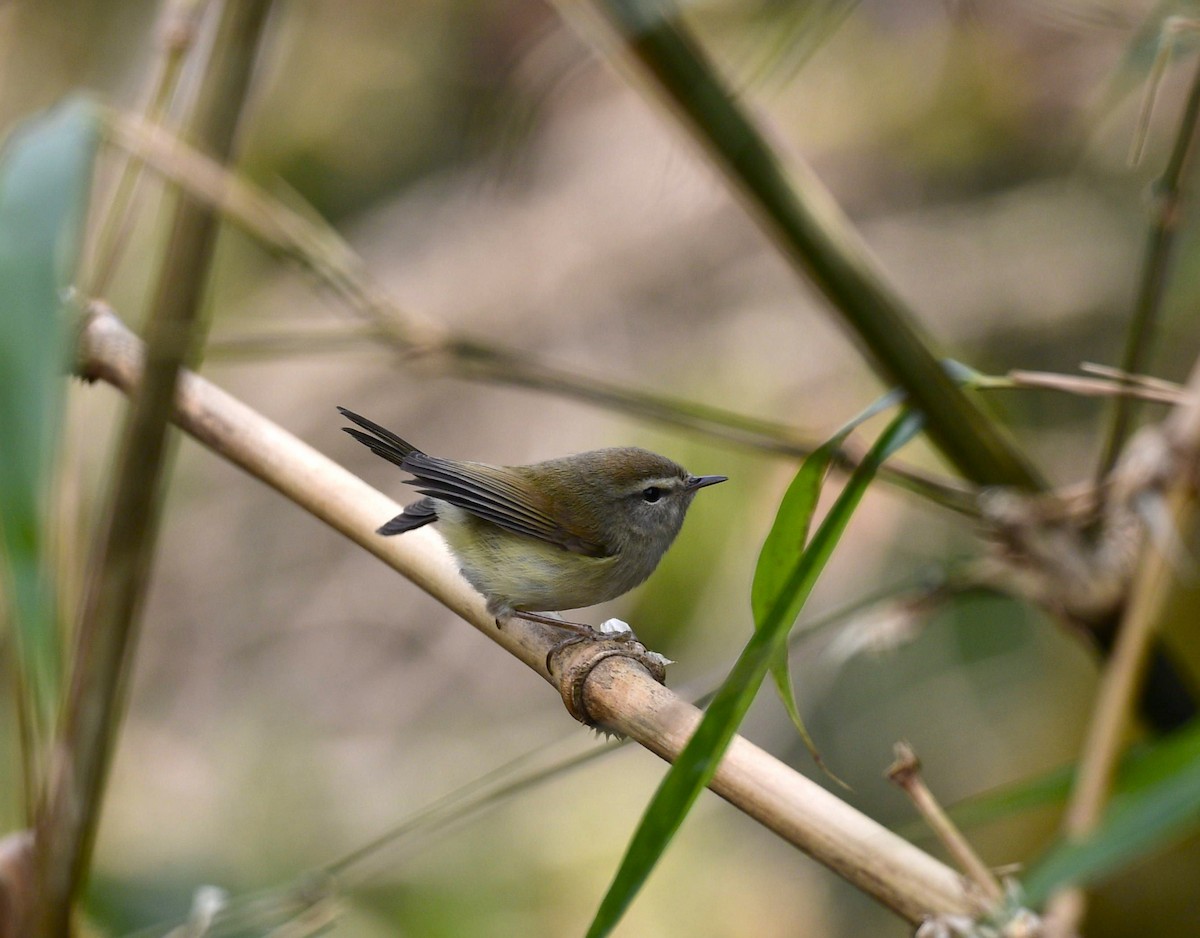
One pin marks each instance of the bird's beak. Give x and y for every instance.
(698, 482)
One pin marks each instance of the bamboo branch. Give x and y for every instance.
(906, 773)
(618, 693)
(1124, 386)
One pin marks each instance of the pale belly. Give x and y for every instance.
(521, 573)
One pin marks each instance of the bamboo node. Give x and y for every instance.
(574, 662)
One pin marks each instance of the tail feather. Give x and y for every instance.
(414, 516)
(379, 440)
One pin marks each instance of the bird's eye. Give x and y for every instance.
(652, 494)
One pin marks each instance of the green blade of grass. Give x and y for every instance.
(698, 761)
(1159, 807)
(786, 541)
(783, 544)
(789, 532)
(45, 171)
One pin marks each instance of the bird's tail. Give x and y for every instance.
(381, 441)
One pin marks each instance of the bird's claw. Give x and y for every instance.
(591, 635)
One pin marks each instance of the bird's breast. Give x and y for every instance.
(525, 573)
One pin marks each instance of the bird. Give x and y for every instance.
(534, 540)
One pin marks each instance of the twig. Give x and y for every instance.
(906, 772)
(107, 636)
(1110, 718)
(619, 694)
(1134, 380)
(1097, 387)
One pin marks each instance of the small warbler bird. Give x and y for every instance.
(560, 534)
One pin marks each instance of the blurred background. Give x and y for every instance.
(294, 699)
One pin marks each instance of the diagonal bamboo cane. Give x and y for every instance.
(618, 693)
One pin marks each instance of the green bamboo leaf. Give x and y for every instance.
(788, 534)
(45, 171)
(698, 762)
(1158, 807)
(785, 542)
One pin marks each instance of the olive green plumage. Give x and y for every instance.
(559, 534)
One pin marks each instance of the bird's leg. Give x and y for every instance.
(582, 630)
(557, 621)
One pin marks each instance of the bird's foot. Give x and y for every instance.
(611, 630)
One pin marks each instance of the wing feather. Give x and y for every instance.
(484, 491)
(488, 492)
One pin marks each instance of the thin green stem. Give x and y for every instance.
(1160, 247)
(480, 362)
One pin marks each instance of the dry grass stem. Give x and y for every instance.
(906, 772)
(282, 229)
(618, 693)
(1125, 377)
(1096, 387)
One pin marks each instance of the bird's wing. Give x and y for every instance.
(489, 493)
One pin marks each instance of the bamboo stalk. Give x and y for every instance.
(809, 229)
(119, 572)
